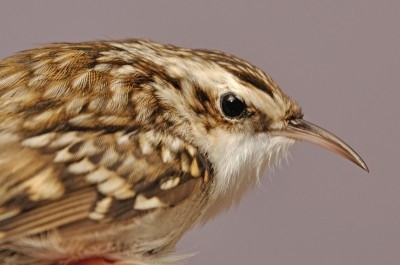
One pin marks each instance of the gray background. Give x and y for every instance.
(339, 59)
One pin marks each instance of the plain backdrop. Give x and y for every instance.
(339, 59)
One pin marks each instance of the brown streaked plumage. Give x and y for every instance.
(114, 149)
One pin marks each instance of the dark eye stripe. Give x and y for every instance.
(202, 96)
(243, 70)
(254, 81)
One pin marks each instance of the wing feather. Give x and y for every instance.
(92, 178)
(80, 153)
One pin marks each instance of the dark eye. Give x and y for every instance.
(232, 106)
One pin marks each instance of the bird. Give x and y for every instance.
(111, 150)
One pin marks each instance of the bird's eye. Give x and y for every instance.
(232, 106)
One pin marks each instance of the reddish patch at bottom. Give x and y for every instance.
(93, 261)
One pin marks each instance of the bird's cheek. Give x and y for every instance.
(260, 124)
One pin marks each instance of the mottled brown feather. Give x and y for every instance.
(101, 142)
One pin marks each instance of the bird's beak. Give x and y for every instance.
(300, 129)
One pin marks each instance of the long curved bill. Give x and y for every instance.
(300, 129)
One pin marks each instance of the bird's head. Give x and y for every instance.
(237, 116)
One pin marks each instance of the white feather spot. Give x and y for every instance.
(110, 185)
(99, 175)
(36, 81)
(89, 149)
(124, 193)
(116, 86)
(170, 183)
(123, 139)
(176, 144)
(75, 105)
(11, 79)
(192, 151)
(103, 205)
(145, 145)
(166, 155)
(102, 67)
(63, 56)
(64, 156)
(83, 166)
(142, 203)
(109, 157)
(127, 165)
(114, 120)
(97, 104)
(81, 119)
(194, 168)
(123, 70)
(185, 163)
(44, 185)
(64, 139)
(43, 117)
(18, 92)
(39, 141)
(81, 80)
(56, 90)
(95, 216)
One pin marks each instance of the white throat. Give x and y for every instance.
(239, 161)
